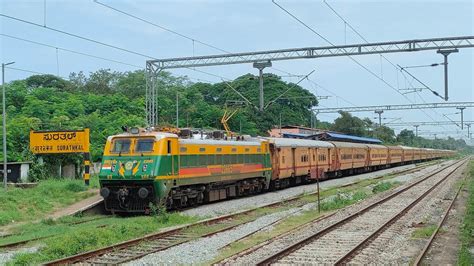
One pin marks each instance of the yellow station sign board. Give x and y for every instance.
(70, 141)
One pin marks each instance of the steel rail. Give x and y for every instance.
(343, 259)
(438, 227)
(99, 252)
(316, 220)
(270, 259)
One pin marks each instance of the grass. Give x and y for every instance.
(91, 235)
(424, 232)
(20, 204)
(465, 256)
(382, 186)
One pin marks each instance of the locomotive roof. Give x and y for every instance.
(252, 142)
(155, 134)
(287, 142)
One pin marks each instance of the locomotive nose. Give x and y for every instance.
(105, 192)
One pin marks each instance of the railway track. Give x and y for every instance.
(278, 247)
(428, 244)
(340, 241)
(140, 247)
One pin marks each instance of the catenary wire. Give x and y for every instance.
(69, 50)
(354, 60)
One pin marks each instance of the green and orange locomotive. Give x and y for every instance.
(140, 167)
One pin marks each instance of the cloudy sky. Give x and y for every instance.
(240, 26)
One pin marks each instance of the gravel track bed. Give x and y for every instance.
(330, 247)
(271, 246)
(396, 244)
(230, 206)
(7, 255)
(205, 249)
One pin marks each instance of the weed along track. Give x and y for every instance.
(137, 248)
(140, 247)
(338, 238)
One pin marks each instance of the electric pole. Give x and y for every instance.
(468, 130)
(4, 118)
(177, 110)
(379, 112)
(445, 53)
(416, 130)
(462, 115)
(260, 66)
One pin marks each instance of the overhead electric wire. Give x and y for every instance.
(161, 27)
(70, 51)
(76, 36)
(365, 40)
(33, 72)
(354, 60)
(173, 31)
(398, 67)
(94, 41)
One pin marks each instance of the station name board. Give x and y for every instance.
(70, 141)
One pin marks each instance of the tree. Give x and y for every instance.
(349, 124)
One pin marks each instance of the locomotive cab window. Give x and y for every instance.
(144, 145)
(121, 146)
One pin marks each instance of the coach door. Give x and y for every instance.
(293, 155)
(275, 158)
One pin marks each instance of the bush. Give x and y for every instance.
(382, 186)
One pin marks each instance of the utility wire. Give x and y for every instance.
(33, 72)
(68, 50)
(162, 27)
(77, 36)
(354, 60)
(94, 41)
(398, 67)
(193, 40)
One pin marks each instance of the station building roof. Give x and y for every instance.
(332, 136)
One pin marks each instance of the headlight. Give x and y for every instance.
(143, 193)
(104, 192)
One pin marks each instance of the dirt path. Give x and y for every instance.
(78, 206)
(445, 247)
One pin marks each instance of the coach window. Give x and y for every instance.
(121, 146)
(282, 159)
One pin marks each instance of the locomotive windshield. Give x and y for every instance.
(144, 145)
(121, 146)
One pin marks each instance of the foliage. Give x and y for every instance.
(30, 204)
(381, 187)
(105, 100)
(424, 232)
(467, 227)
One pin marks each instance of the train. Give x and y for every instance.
(142, 168)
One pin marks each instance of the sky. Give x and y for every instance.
(244, 26)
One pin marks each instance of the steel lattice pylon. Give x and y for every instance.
(153, 67)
